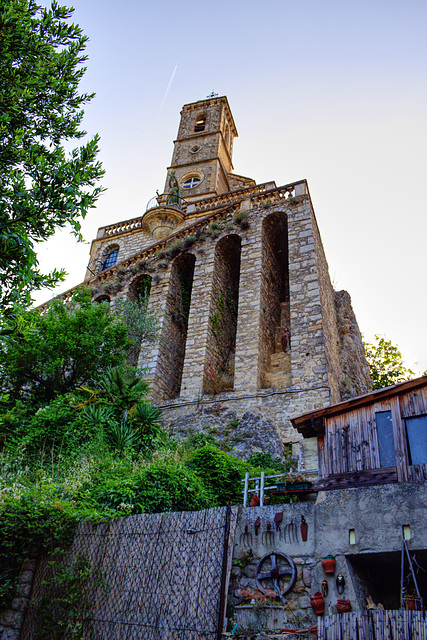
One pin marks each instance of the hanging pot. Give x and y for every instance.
(318, 603)
(255, 502)
(343, 606)
(328, 565)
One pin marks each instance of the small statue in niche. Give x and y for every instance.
(286, 339)
(174, 195)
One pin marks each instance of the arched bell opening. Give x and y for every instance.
(275, 310)
(221, 340)
(174, 337)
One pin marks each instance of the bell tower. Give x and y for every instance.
(202, 156)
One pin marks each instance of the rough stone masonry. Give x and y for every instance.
(236, 273)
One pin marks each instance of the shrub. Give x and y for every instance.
(56, 427)
(265, 461)
(220, 472)
(38, 520)
(162, 486)
(240, 216)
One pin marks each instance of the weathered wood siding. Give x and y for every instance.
(350, 442)
(163, 574)
(374, 625)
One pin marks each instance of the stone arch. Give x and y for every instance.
(275, 311)
(174, 335)
(221, 339)
(140, 288)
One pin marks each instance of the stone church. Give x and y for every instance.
(236, 273)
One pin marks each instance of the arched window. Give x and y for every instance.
(274, 354)
(111, 258)
(200, 123)
(221, 344)
(172, 350)
(140, 288)
(102, 298)
(191, 182)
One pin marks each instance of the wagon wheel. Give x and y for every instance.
(282, 575)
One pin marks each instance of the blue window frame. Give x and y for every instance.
(111, 259)
(416, 430)
(191, 182)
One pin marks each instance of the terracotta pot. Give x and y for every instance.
(343, 606)
(412, 604)
(328, 565)
(318, 603)
(255, 502)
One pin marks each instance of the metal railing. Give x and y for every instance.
(167, 200)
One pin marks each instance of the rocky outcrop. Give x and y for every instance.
(253, 433)
(356, 379)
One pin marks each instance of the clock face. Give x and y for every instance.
(191, 182)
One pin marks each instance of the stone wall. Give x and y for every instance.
(355, 378)
(330, 517)
(11, 620)
(268, 259)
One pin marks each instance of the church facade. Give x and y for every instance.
(237, 276)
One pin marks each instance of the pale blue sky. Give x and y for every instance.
(332, 91)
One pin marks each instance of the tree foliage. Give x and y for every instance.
(42, 187)
(385, 363)
(54, 351)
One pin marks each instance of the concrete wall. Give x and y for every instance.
(366, 510)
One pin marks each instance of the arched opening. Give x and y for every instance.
(110, 257)
(103, 298)
(140, 288)
(174, 338)
(221, 341)
(275, 313)
(200, 123)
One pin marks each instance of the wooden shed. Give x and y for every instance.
(377, 438)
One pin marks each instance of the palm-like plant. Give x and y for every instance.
(122, 436)
(124, 390)
(147, 418)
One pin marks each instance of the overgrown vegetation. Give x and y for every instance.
(79, 438)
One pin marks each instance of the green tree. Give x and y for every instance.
(42, 187)
(54, 351)
(385, 363)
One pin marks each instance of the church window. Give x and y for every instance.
(200, 124)
(110, 259)
(191, 182)
(416, 429)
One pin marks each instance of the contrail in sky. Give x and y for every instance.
(167, 89)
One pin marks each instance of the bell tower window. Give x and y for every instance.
(191, 182)
(200, 124)
(110, 259)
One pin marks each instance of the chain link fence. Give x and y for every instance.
(155, 577)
